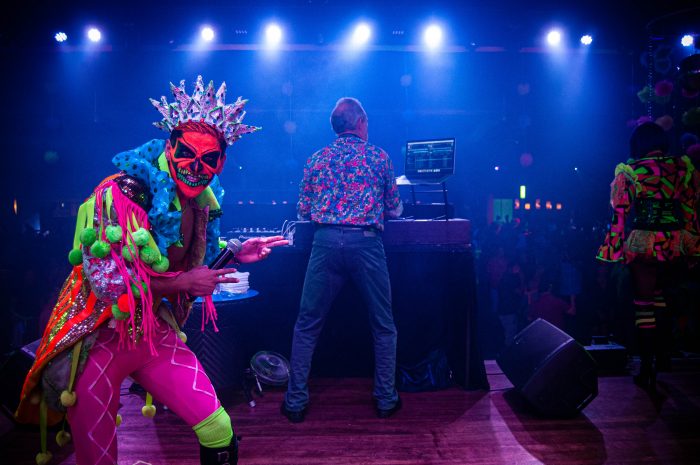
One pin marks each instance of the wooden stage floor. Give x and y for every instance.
(621, 426)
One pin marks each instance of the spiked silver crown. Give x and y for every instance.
(203, 106)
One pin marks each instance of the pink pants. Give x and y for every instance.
(174, 377)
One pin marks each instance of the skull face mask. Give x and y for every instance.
(194, 160)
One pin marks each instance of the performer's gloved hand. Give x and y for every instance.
(201, 281)
(258, 248)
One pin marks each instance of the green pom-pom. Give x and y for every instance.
(114, 233)
(99, 249)
(43, 458)
(75, 257)
(63, 438)
(118, 314)
(149, 255)
(136, 290)
(88, 237)
(126, 253)
(148, 411)
(141, 237)
(161, 265)
(68, 398)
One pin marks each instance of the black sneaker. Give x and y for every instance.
(386, 413)
(292, 416)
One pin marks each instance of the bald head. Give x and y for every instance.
(348, 116)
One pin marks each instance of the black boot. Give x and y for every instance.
(221, 455)
(646, 379)
(663, 343)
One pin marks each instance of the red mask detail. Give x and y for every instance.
(193, 161)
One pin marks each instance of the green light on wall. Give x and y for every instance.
(522, 192)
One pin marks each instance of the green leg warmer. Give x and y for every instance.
(215, 431)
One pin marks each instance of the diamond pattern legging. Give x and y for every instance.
(173, 376)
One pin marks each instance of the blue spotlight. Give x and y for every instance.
(586, 39)
(207, 33)
(61, 37)
(94, 34)
(554, 37)
(687, 40)
(361, 35)
(433, 36)
(273, 34)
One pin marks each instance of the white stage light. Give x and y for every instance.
(61, 37)
(433, 36)
(687, 40)
(586, 40)
(273, 34)
(361, 35)
(554, 37)
(207, 33)
(94, 34)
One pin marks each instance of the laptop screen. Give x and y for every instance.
(430, 160)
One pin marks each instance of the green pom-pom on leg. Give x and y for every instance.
(114, 233)
(63, 438)
(88, 237)
(43, 458)
(75, 257)
(99, 249)
(68, 398)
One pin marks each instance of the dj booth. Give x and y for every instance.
(434, 303)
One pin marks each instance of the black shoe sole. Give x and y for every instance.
(293, 416)
(383, 414)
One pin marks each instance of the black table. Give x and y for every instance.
(434, 303)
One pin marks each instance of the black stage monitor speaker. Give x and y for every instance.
(12, 373)
(550, 369)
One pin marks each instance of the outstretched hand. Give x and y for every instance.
(201, 281)
(258, 248)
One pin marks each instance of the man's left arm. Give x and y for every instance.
(393, 207)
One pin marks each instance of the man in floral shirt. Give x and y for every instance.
(347, 189)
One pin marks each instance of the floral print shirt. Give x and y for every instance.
(350, 182)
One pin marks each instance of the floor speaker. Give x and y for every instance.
(550, 369)
(12, 373)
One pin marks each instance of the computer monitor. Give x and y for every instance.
(430, 160)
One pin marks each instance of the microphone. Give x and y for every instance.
(233, 246)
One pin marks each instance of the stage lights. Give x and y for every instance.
(361, 35)
(432, 36)
(687, 40)
(554, 37)
(273, 34)
(94, 34)
(207, 33)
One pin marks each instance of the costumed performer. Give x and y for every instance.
(140, 240)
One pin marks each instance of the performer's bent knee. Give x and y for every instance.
(215, 430)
